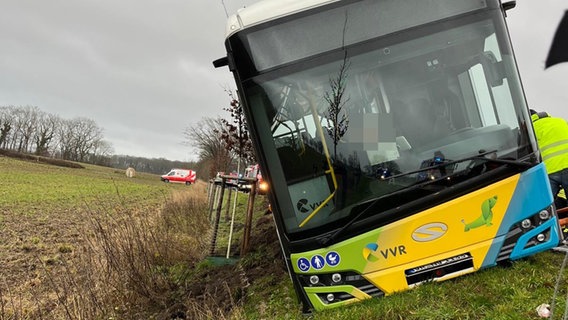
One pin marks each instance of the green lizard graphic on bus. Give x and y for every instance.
(486, 215)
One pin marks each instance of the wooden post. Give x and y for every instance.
(209, 187)
(227, 217)
(245, 243)
(217, 218)
(212, 194)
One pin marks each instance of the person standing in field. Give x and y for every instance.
(552, 138)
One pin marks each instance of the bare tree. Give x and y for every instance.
(6, 124)
(78, 138)
(337, 119)
(205, 136)
(28, 129)
(101, 153)
(46, 127)
(65, 134)
(87, 136)
(25, 119)
(235, 133)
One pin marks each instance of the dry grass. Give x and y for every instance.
(126, 263)
(133, 262)
(94, 244)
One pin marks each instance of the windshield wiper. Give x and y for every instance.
(520, 165)
(443, 164)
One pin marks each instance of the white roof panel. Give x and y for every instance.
(267, 10)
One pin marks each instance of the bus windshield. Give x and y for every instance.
(377, 113)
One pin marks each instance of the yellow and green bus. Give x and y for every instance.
(396, 140)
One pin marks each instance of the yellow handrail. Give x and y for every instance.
(329, 171)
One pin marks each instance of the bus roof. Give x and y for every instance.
(267, 10)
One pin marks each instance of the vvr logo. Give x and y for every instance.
(372, 253)
(304, 206)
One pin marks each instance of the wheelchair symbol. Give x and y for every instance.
(303, 264)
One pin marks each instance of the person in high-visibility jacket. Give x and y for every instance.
(561, 200)
(552, 138)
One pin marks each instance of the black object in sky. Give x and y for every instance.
(559, 49)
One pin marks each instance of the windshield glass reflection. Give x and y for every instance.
(379, 119)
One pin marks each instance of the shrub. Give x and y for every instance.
(133, 261)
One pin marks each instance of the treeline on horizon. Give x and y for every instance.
(153, 165)
(27, 129)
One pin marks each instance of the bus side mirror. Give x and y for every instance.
(509, 5)
(221, 62)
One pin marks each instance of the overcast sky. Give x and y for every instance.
(142, 69)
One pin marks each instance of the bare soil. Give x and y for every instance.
(42, 246)
(224, 287)
(33, 252)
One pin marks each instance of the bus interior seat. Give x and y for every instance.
(300, 165)
(449, 114)
(414, 120)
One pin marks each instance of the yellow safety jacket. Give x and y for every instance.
(552, 137)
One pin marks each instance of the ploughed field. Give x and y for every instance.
(46, 211)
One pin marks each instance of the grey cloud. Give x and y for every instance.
(142, 68)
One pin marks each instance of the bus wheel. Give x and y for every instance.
(167, 181)
(187, 183)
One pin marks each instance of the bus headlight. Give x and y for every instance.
(314, 280)
(263, 186)
(330, 297)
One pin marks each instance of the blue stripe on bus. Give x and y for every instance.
(519, 250)
(531, 195)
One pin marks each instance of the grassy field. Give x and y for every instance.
(63, 230)
(50, 187)
(93, 244)
(90, 243)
